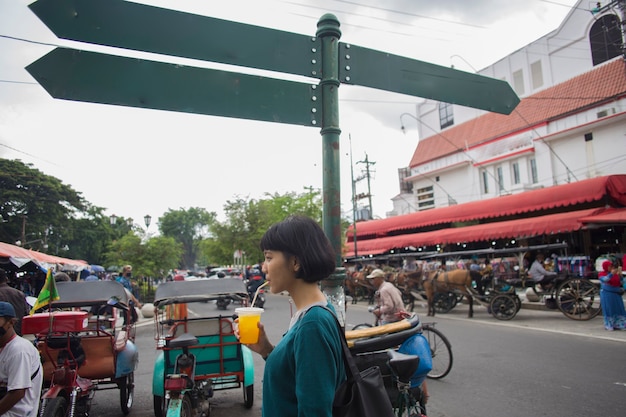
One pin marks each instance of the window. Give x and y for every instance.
(425, 198)
(518, 82)
(446, 118)
(588, 137)
(485, 182)
(500, 179)
(537, 74)
(516, 178)
(533, 171)
(605, 38)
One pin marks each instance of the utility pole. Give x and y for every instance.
(367, 175)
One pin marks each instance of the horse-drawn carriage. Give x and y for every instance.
(576, 296)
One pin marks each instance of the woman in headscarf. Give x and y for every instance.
(611, 297)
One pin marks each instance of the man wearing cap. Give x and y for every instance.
(389, 299)
(20, 369)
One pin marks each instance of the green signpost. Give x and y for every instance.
(102, 78)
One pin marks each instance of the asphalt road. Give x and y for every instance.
(540, 363)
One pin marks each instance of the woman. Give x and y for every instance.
(611, 297)
(304, 369)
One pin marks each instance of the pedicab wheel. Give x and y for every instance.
(503, 307)
(444, 302)
(248, 396)
(578, 299)
(55, 407)
(127, 388)
(159, 405)
(440, 350)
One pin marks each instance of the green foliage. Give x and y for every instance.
(188, 227)
(152, 259)
(248, 219)
(46, 215)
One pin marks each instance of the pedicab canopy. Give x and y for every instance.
(90, 293)
(179, 292)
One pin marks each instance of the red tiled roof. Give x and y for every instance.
(599, 85)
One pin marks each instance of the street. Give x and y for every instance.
(539, 363)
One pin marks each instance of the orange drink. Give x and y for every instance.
(249, 318)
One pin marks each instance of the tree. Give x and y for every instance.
(248, 219)
(188, 227)
(154, 258)
(42, 213)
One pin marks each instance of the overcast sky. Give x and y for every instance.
(135, 162)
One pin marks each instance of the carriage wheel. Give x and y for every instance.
(248, 396)
(518, 302)
(127, 388)
(503, 307)
(578, 299)
(159, 406)
(444, 302)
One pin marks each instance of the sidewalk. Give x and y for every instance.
(532, 315)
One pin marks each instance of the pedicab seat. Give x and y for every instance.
(184, 340)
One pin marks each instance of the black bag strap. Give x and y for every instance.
(352, 371)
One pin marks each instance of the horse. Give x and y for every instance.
(458, 280)
(356, 284)
(407, 281)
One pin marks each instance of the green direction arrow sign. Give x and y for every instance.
(152, 29)
(93, 77)
(369, 68)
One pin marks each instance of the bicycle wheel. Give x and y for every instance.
(441, 351)
(362, 326)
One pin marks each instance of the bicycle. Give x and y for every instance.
(409, 402)
(440, 347)
(401, 352)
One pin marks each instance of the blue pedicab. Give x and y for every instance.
(198, 355)
(86, 343)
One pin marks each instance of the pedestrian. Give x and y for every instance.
(389, 304)
(20, 369)
(611, 297)
(305, 368)
(61, 277)
(16, 298)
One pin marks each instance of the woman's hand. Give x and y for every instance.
(263, 347)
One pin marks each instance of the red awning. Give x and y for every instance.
(592, 190)
(608, 216)
(522, 228)
(20, 256)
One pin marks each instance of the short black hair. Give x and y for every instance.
(302, 237)
(3, 275)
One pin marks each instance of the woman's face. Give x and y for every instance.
(279, 270)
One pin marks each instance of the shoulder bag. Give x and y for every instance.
(363, 393)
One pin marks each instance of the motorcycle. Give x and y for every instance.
(223, 303)
(252, 286)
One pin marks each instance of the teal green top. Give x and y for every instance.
(305, 368)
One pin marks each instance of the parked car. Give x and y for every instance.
(227, 271)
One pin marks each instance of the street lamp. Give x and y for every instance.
(113, 219)
(147, 219)
(402, 123)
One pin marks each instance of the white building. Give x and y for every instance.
(569, 126)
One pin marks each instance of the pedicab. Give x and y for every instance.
(86, 343)
(198, 355)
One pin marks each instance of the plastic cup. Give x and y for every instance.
(249, 318)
